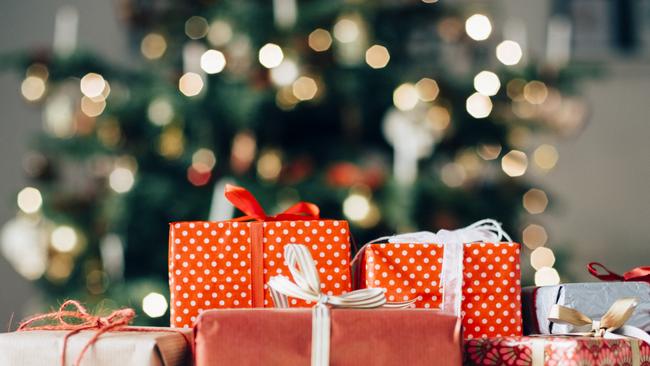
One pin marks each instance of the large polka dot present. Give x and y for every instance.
(453, 271)
(227, 264)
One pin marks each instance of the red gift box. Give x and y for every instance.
(556, 351)
(227, 264)
(358, 337)
(490, 301)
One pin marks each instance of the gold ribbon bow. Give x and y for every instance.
(306, 286)
(611, 326)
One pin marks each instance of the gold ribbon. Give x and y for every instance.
(610, 326)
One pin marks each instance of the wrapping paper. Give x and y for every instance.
(491, 303)
(358, 337)
(43, 347)
(592, 299)
(555, 351)
(227, 264)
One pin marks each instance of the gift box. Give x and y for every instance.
(227, 264)
(593, 299)
(555, 351)
(155, 347)
(483, 277)
(358, 337)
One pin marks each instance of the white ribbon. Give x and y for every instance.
(451, 277)
(306, 286)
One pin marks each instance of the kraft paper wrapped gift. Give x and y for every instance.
(226, 264)
(121, 348)
(358, 337)
(467, 272)
(593, 299)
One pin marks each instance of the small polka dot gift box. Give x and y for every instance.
(467, 272)
(227, 264)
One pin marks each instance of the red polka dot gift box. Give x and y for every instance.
(467, 272)
(226, 264)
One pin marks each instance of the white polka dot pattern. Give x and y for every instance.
(210, 262)
(491, 303)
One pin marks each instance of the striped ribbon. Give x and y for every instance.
(306, 286)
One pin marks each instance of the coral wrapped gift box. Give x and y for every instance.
(227, 264)
(490, 300)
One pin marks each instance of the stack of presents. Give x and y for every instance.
(284, 290)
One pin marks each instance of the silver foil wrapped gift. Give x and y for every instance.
(593, 299)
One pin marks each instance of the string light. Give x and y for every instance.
(487, 83)
(154, 305)
(438, 117)
(220, 33)
(546, 276)
(514, 163)
(346, 30)
(121, 180)
(542, 257)
(305, 88)
(377, 56)
(405, 97)
(285, 74)
(270, 55)
(534, 236)
(91, 107)
(153, 46)
(427, 89)
(160, 111)
(92, 85)
(32, 88)
(64, 239)
(478, 105)
(488, 151)
(196, 27)
(269, 165)
(509, 52)
(535, 201)
(29, 200)
(478, 27)
(190, 84)
(320, 40)
(535, 92)
(546, 156)
(213, 61)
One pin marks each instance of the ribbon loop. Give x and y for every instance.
(635, 274)
(306, 286)
(241, 198)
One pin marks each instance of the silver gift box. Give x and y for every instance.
(120, 348)
(592, 299)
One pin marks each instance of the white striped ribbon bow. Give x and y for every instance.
(306, 286)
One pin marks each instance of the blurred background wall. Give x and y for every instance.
(600, 186)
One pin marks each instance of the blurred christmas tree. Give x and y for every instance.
(398, 115)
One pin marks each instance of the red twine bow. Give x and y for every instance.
(635, 274)
(245, 201)
(80, 319)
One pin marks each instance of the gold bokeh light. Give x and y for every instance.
(535, 201)
(377, 56)
(514, 163)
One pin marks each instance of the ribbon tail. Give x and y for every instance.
(320, 336)
(244, 201)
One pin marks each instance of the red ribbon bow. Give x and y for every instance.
(80, 319)
(246, 203)
(635, 274)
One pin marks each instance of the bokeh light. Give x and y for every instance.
(213, 61)
(220, 33)
(32, 88)
(427, 89)
(269, 165)
(121, 179)
(190, 84)
(29, 200)
(509, 52)
(546, 276)
(285, 74)
(546, 156)
(514, 163)
(356, 207)
(487, 83)
(478, 105)
(196, 27)
(305, 88)
(64, 239)
(534, 236)
(346, 30)
(478, 27)
(153, 46)
(453, 175)
(535, 92)
(92, 85)
(542, 257)
(405, 97)
(270, 55)
(154, 305)
(160, 111)
(438, 117)
(535, 201)
(377, 56)
(92, 107)
(488, 151)
(320, 40)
